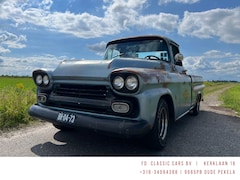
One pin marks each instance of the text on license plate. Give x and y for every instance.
(65, 117)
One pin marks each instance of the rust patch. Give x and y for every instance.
(162, 66)
(152, 75)
(185, 94)
(166, 84)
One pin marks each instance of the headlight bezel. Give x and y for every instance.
(38, 80)
(118, 82)
(46, 80)
(131, 83)
(41, 78)
(126, 85)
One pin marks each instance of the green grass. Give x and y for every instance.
(211, 87)
(16, 96)
(27, 82)
(231, 98)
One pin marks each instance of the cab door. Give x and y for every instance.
(183, 84)
(185, 99)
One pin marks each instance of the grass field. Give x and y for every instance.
(16, 96)
(231, 98)
(210, 87)
(26, 82)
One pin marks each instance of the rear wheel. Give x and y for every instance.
(196, 109)
(157, 138)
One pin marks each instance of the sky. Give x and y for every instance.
(41, 33)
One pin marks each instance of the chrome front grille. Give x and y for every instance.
(80, 91)
(89, 98)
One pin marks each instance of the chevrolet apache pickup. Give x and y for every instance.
(138, 89)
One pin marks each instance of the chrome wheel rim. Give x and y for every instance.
(163, 124)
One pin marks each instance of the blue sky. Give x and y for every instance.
(41, 33)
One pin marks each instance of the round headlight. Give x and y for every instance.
(39, 79)
(45, 80)
(118, 82)
(131, 83)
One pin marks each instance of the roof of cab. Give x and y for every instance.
(141, 38)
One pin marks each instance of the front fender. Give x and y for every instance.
(148, 101)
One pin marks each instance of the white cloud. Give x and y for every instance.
(178, 1)
(82, 25)
(11, 41)
(214, 65)
(4, 50)
(123, 13)
(213, 54)
(163, 21)
(119, 15)
(223, 23)
(99, 48)
(25, 65)
(46, 4)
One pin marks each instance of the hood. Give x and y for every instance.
(101, 68)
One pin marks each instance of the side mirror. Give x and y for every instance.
(178, 59)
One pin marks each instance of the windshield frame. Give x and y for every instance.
(113, 48)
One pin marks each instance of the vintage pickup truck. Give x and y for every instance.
(138, 89)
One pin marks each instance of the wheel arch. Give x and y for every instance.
(169, 101)
(157, 137)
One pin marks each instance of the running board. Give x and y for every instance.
(179, 117)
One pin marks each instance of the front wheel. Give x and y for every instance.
(158, 135)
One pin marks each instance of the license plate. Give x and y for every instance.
(65, 117)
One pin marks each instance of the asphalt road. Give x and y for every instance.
(211, 133)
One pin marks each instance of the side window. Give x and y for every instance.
(175, 50)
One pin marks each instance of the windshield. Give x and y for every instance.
(143, 49)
